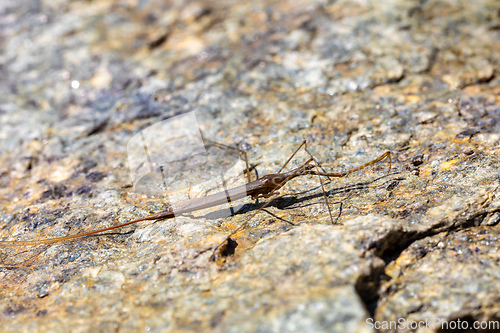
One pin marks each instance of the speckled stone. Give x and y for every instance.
(355, 78)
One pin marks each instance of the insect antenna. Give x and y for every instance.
(290, 158)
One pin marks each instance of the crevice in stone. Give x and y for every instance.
(390, 247)
(367, 287)
(229, 248)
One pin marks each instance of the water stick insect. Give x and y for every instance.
(264, 187)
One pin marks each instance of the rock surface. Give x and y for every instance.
(355, 78)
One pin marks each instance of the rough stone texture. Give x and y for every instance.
(355, 78)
